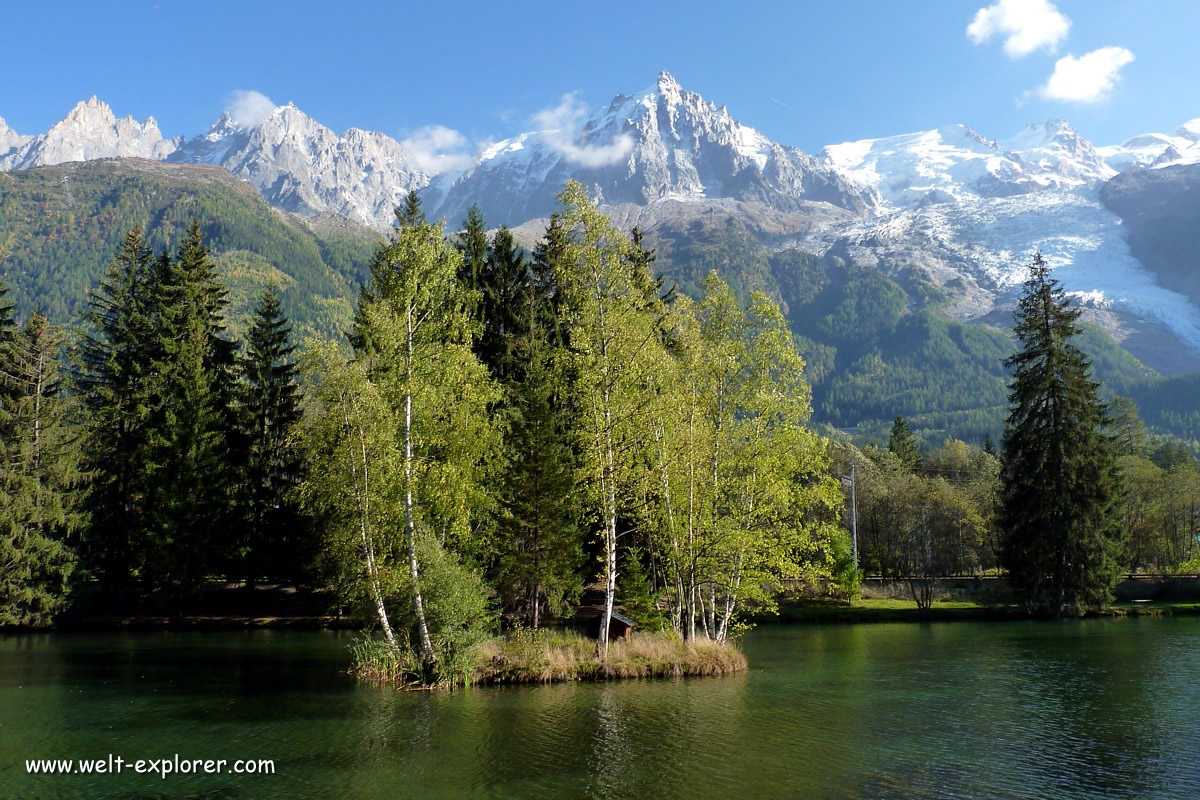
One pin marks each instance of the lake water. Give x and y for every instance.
(1078, 709)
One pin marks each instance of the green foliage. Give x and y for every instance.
(188, 499)
(115, 381)
(1062, 544)
(65, 222)
(903, 446)
(270, 535)
(457, 610)
(637, 596)
(40, 481)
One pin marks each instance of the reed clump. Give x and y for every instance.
(527, 656)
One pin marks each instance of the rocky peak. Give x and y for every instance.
(300, 165)
(89, 131)
(664, 143)
(10, 138)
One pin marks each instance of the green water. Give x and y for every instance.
(1080, 709)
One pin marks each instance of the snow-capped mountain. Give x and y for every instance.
(88, 132)
(966, 212)
(1156, 150)
(661, 144)
(954, 162)
(958, 207)
(300, 165)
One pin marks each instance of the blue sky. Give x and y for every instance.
(804, 73)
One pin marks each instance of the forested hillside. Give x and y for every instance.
(875, 346)
(878, 346)
(60, 226)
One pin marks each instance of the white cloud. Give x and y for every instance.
(248, 107)
(435, 149)
(1025, 25)
(1087, 79)
(559, 125)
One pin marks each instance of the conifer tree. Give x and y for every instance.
(40, 480)
(551, 257)
(505, 303)
(1061, 545)
(903, 446)
(189, 487)
(115, 381)
(541, 556)
(272, 541)
(410, 214)
(473, 245)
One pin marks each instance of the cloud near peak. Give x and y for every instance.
(1025, 25)
(559, 129)
(248, 107)
(1088, 78)
(435, 149)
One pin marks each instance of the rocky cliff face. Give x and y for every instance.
(662, 144)
(88, 132)
(302, 166)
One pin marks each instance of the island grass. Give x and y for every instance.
(526, 656)
(545, 657)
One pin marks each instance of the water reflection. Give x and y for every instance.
(1093, 709)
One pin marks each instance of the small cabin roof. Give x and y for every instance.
(626, 620)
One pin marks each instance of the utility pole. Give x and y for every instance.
(853, 515)
(854, 511)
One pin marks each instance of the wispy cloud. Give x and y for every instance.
(559, 127)
(248, 107)
(435, 149)
(1025, 25)
(1087, 79)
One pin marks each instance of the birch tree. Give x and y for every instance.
(617, 356)
(413, 342)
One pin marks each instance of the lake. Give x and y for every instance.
(1076, 709)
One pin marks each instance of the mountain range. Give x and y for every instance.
(948, 215)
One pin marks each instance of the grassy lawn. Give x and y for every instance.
(884, 609)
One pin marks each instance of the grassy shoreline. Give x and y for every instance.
(867, 610)
(542, 657)
(526, 656)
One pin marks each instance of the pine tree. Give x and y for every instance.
(551, 258)
(902, 445)
(272, 541)
(115, 382)
(1129, 431)
(1061, 546)
(40, 480)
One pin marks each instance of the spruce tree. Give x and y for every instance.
(115, 382)
(189, 497)
(40, 480)
(410, 214)
(1061, 545)
(903, 446)
(271, 539)
(473, 244)
(506, 296)
(540, 561)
